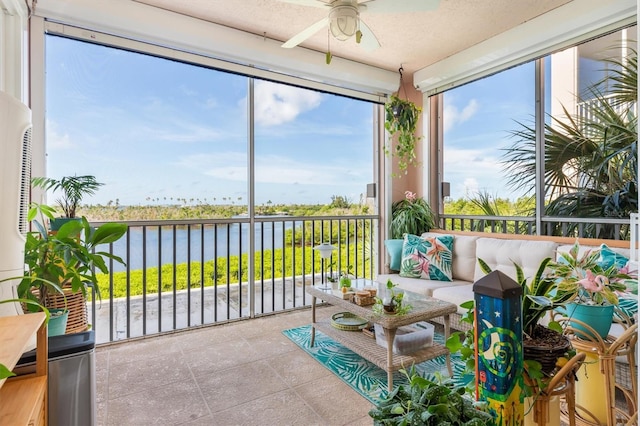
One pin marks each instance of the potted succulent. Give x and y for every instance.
(73, 188)
(64, 262)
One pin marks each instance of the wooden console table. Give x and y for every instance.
(23, 399)
(423, 309)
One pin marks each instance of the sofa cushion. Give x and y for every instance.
(427, 257)
(565, 248)
(394, 249)
(456, 295)
(501, 254)
(419, 286)
(464, 256)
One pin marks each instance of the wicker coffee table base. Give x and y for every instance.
(367, 347)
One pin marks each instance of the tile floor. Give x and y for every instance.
(245, 373)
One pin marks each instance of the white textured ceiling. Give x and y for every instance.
(411, 40)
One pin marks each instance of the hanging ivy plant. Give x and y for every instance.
(401, 120)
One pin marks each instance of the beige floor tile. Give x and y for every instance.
(297, 367)
(271, 343)
(102, 384)
(132, 377)
(175, 403)
(142, 350)
(219, 356)
(333, 400)
(102, 359)
(235, 386)
(206, 336)
(282, 408)
(245, 373)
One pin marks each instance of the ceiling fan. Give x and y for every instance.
(344, 20)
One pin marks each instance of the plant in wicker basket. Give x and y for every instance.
(543, 344)
(63, 264)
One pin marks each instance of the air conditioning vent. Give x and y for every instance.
(25, 182)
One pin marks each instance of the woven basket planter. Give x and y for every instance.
(77, 306)
(545, 355)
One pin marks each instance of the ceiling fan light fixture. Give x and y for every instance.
(344, 21)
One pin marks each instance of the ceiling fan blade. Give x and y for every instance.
(369, 42)
(312, 3)
(404, 6)
(306, 33)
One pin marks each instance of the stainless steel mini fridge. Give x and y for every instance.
(72, 380)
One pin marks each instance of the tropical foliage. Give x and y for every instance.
(584, 279)
(67, 257)
(73, 189)
(590, 159)
(401, 119)
(411, 215)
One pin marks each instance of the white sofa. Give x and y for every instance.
(499, 253)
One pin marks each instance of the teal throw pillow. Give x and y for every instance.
(609, 257)
(427, 257)
(394, 249)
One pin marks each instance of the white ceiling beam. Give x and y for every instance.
(566, 25)
(156, 26)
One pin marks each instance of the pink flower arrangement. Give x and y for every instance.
(411, 196)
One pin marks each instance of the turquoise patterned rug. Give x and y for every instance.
(363, 376)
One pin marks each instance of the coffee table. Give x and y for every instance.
(423, 309)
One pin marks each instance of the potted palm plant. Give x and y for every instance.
(73, 189)
(64, 263)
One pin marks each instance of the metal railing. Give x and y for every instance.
(189, 273)
(604, 228)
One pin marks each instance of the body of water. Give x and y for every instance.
(164, 244)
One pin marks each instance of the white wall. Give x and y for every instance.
(13, 49)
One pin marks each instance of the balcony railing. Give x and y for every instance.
(605, 228)
(190, 273)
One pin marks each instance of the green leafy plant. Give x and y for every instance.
(73, 188)
(424, 402)
(591, 159)
(583, 280)
(411, 215)
(538, 295)
(401, 120)
(393, 303)
(68, 257)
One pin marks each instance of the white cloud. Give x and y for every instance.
(453, 115)
(188, 132)
(272, 169)
(278, 104)
(471, 187)
(56, 140)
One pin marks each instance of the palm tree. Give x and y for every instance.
(590, 159)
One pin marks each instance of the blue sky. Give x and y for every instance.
(477, 120)
(155, 130)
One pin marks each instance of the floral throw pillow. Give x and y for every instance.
(427, 257)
